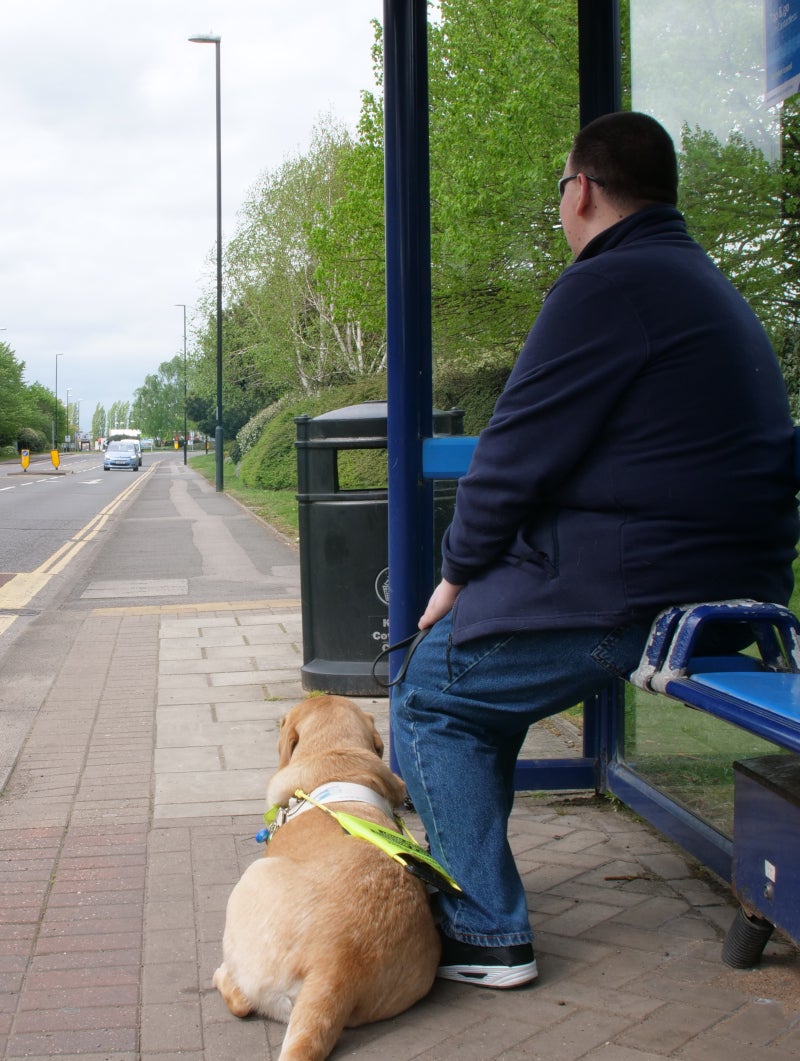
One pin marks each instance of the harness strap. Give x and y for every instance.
(402, 848)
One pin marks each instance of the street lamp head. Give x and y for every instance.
(206, 38)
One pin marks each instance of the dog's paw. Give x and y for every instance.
(234, 999)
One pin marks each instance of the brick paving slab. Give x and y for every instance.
(131, 813)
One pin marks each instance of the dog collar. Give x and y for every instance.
(331, 792)
(345, 792)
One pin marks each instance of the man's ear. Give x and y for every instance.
(585, 190)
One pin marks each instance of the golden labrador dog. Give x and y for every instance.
(327, 930)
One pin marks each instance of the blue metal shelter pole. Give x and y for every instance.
(599, 58)
(408, 311)
(600, 92)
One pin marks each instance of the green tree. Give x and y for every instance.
(731, 195)
(304, 273)
(34, 441)
(786, 336)
(503, 110)
(349, 243)
(158, 405)
(118, 416)
(28, 407)
(504, 91)
(290, 321)
(14, 403)
(202, 412)
(99, 422)
(39, 412)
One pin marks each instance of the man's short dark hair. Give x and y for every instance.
(632, 154)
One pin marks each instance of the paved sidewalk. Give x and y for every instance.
(131, 813)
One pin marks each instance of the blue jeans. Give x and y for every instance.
(459, 718)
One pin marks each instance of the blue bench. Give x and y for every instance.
(759, 693)
(755, 690)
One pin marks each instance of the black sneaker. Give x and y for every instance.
(486, 966)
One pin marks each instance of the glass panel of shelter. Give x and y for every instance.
(699, 67)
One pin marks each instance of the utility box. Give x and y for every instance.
(766, 839)
(344, 574)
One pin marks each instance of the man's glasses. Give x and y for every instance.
(573, 177)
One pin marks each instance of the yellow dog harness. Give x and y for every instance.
(400, 846)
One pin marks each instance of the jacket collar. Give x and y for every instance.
(651, 221)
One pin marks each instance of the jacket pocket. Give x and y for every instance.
(537, 544)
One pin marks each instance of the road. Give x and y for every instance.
(42, 508)
(158, 533)
(48, 516)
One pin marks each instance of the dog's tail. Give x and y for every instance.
(318, 1019)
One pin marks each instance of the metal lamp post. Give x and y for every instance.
(78, 443)
(55, 406)
(180, 304)
(209, 39)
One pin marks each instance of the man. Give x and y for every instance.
(640, 456)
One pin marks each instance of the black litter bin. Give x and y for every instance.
(344, 575)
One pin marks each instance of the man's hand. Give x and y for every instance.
(442, 600)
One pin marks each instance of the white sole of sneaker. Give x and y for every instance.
(498, 976)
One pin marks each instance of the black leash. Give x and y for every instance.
(411, 641)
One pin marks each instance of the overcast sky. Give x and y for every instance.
(108, 180)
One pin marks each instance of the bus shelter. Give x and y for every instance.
(751, 65)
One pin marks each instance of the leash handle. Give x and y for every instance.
(411, 641)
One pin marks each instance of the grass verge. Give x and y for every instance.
(276, 507)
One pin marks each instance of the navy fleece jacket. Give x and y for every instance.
(640, 455)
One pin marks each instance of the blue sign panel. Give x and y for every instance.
(782, 19)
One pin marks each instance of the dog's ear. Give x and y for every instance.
(376, 737)
(287, 741)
